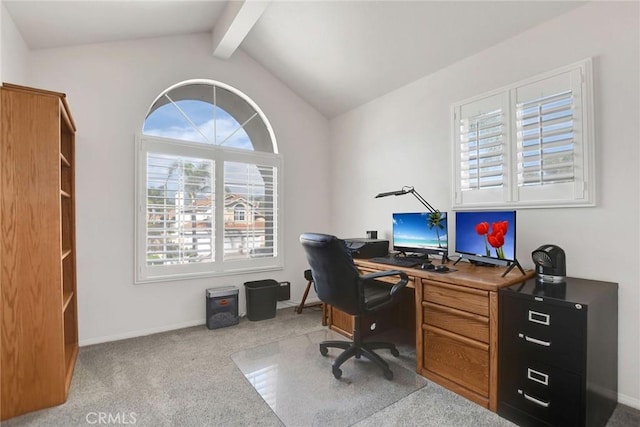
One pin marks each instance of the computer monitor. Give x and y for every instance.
(421, 232)
(486, 236)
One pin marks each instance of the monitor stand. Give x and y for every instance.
(442, 253)
(424, 257)
(445, 258)
(512, 264)
(490, 262)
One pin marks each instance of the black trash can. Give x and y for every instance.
(262, 299)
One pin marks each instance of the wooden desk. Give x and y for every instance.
(456, 325)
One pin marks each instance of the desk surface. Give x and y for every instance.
(466, 274)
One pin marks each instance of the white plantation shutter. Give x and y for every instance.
(544, 142)
(179, 221)
(554, 159)
(253, 187)
(482, 151)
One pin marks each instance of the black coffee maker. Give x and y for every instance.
(550, 264)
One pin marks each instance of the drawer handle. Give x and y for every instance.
(535, 340)
(537, 376)
(534, 400)
(541, 318)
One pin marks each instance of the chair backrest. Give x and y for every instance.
(335, 275)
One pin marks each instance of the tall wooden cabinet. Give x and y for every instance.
(38, 299)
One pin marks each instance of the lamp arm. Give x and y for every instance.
(408, 189)
(422, 200)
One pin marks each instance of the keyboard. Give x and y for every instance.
(397, 261)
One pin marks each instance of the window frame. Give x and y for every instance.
(145, 273)
(580, 192)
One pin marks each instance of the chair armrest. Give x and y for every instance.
(404, 279)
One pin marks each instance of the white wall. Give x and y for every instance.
(110, 88)
(404, 138)
(13, 50)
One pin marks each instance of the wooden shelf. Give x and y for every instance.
(38, 178)
(66, 299)
(64, 160)
(70, 353)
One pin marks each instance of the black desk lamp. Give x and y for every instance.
(406, 190)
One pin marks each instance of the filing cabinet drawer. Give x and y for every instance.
(460, 322)
(543, 391)
(546, 332)
(456, 358)
(459, 297)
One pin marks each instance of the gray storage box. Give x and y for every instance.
(222, 307)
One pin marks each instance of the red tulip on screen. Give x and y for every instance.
(482, 228)
(496, 239)
(502, 226)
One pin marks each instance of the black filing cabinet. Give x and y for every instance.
(558, 352)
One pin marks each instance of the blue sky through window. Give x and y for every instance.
(167, 121)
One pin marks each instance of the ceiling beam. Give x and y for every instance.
(234, 24)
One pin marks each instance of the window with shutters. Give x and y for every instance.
(208, 176)
(527, 145)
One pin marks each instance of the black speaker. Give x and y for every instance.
(551, 264)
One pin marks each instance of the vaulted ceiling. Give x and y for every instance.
(336, 55)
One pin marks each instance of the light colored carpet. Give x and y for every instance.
(187, 378)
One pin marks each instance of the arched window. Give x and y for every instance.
(203, 139)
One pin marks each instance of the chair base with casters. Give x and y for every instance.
(358, 348)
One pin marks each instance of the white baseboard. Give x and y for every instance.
(166, 328)
(140, 333)
(286, 304)
(629, 401)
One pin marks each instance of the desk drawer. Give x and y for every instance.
(460, 322)
(465, 299)
(459, 359)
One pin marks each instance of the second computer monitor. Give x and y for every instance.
(420, 232)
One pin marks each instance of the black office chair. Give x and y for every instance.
(339, 284)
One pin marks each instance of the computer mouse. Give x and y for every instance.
(441, 267)
(427, 266)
